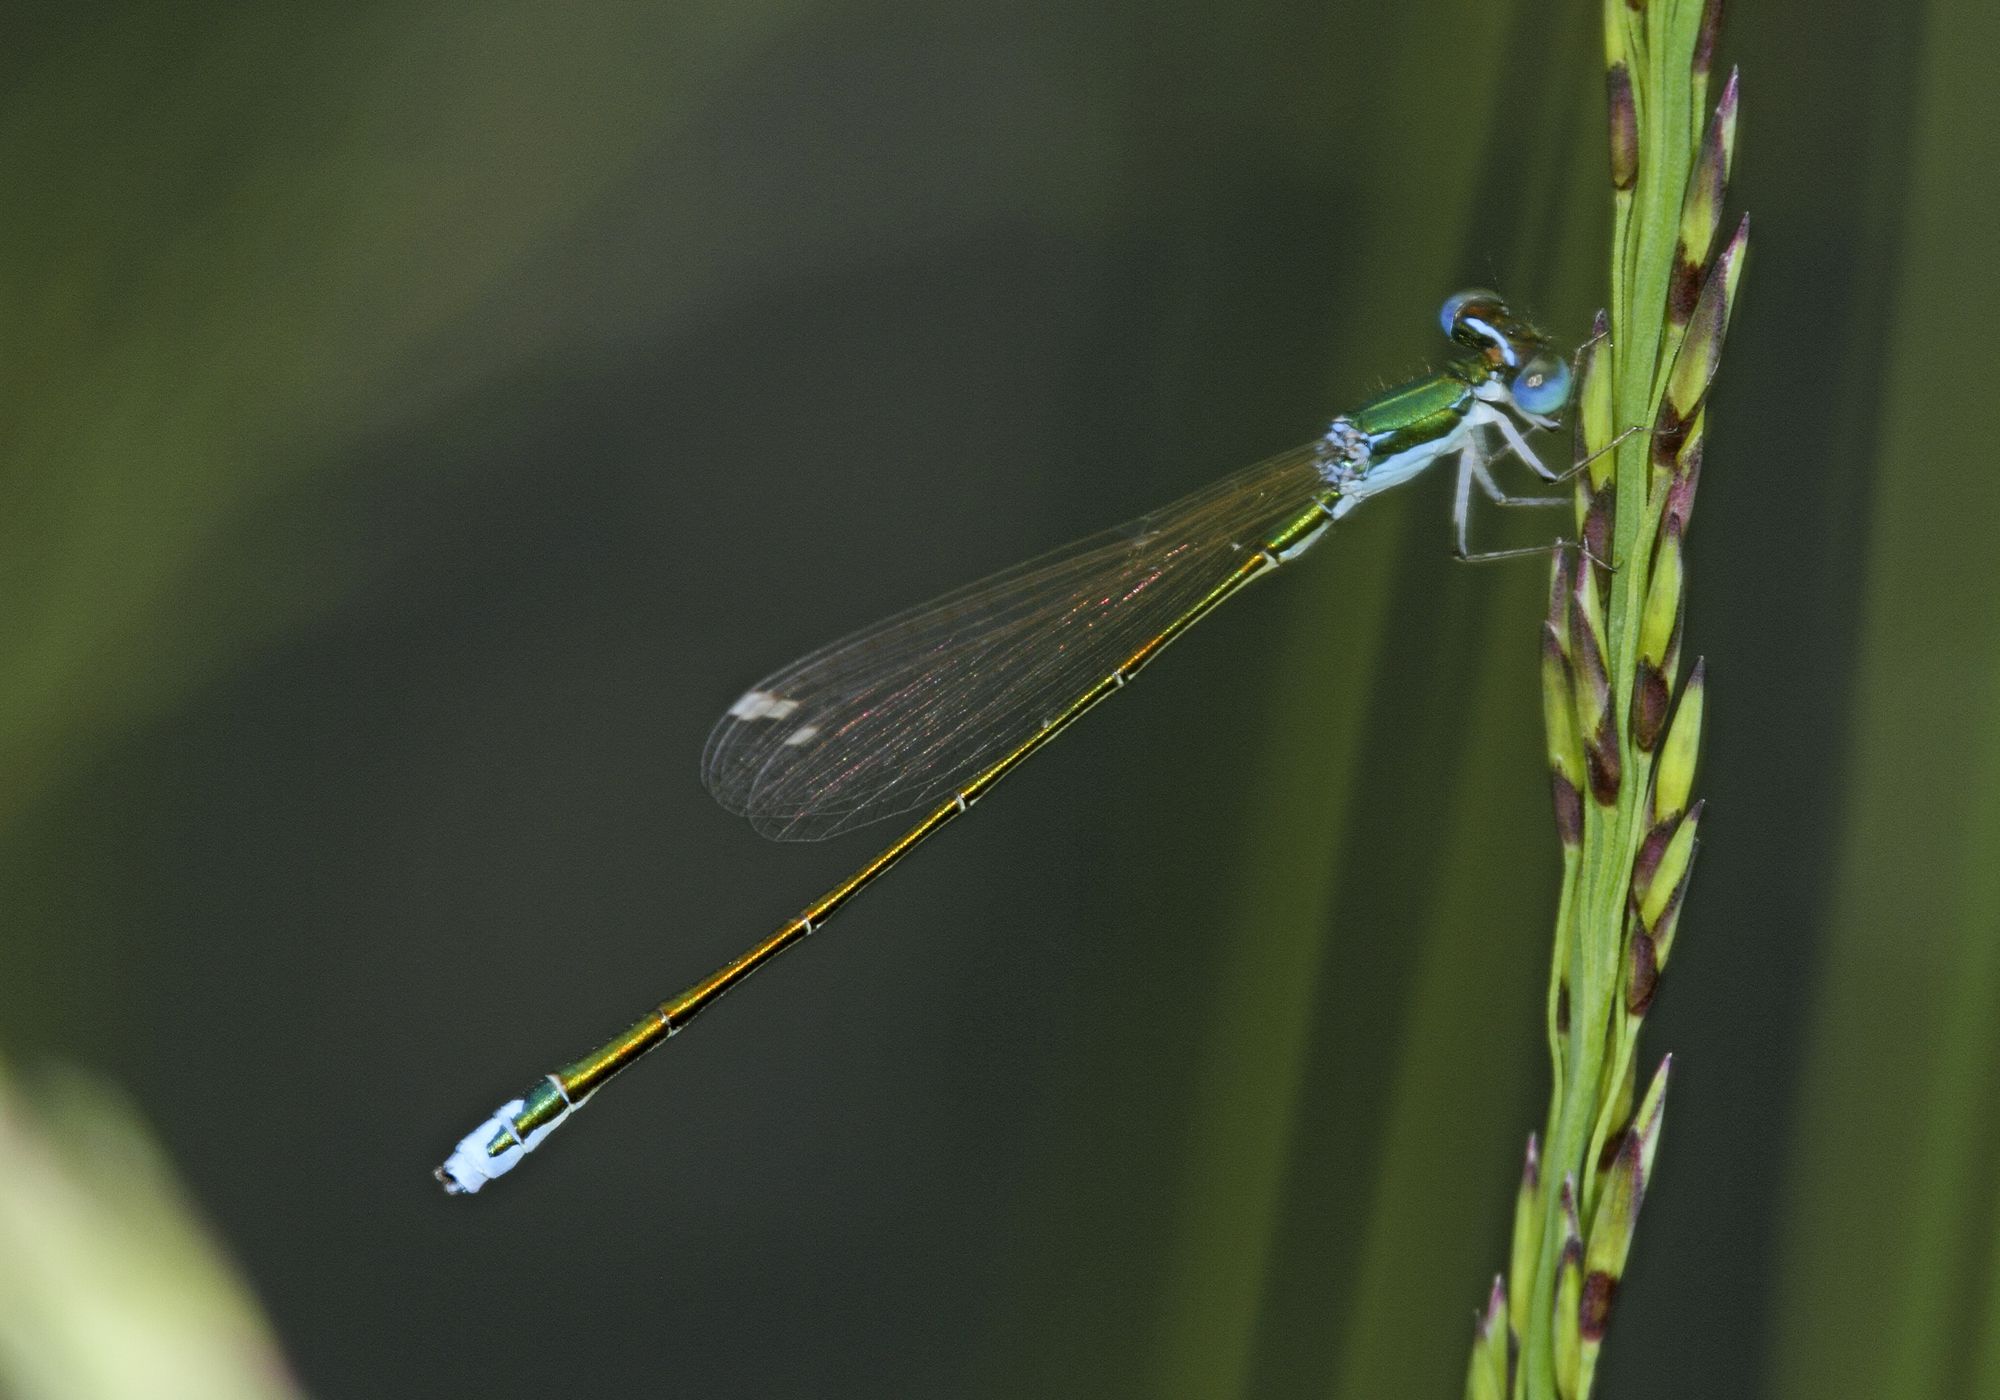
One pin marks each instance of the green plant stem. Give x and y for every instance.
(1612, 656)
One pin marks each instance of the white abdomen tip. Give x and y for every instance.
(470, 1166)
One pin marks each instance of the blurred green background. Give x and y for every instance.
(423, 419)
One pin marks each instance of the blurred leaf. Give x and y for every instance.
(109, 1287)
(255, 240)
(1885, 1268)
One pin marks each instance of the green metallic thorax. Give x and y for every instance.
(1421, 411)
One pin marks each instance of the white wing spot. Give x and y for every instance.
(761, 704)
(804, 734)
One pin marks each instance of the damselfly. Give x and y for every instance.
(927, 711)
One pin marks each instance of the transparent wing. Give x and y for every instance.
(900, 715)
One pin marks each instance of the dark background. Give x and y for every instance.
(424, 419)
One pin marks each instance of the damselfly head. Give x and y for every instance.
(1479, 320)
(1542, 386)
(1462, 312)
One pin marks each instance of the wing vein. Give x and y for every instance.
(896, 716)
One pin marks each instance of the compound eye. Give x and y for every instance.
(1472, 317)
(1542, 386)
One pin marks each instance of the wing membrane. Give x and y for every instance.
(900, 715)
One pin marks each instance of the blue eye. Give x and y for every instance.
(1542, 386)
(1455, 307)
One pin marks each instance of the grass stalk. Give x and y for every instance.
(1623, 726)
